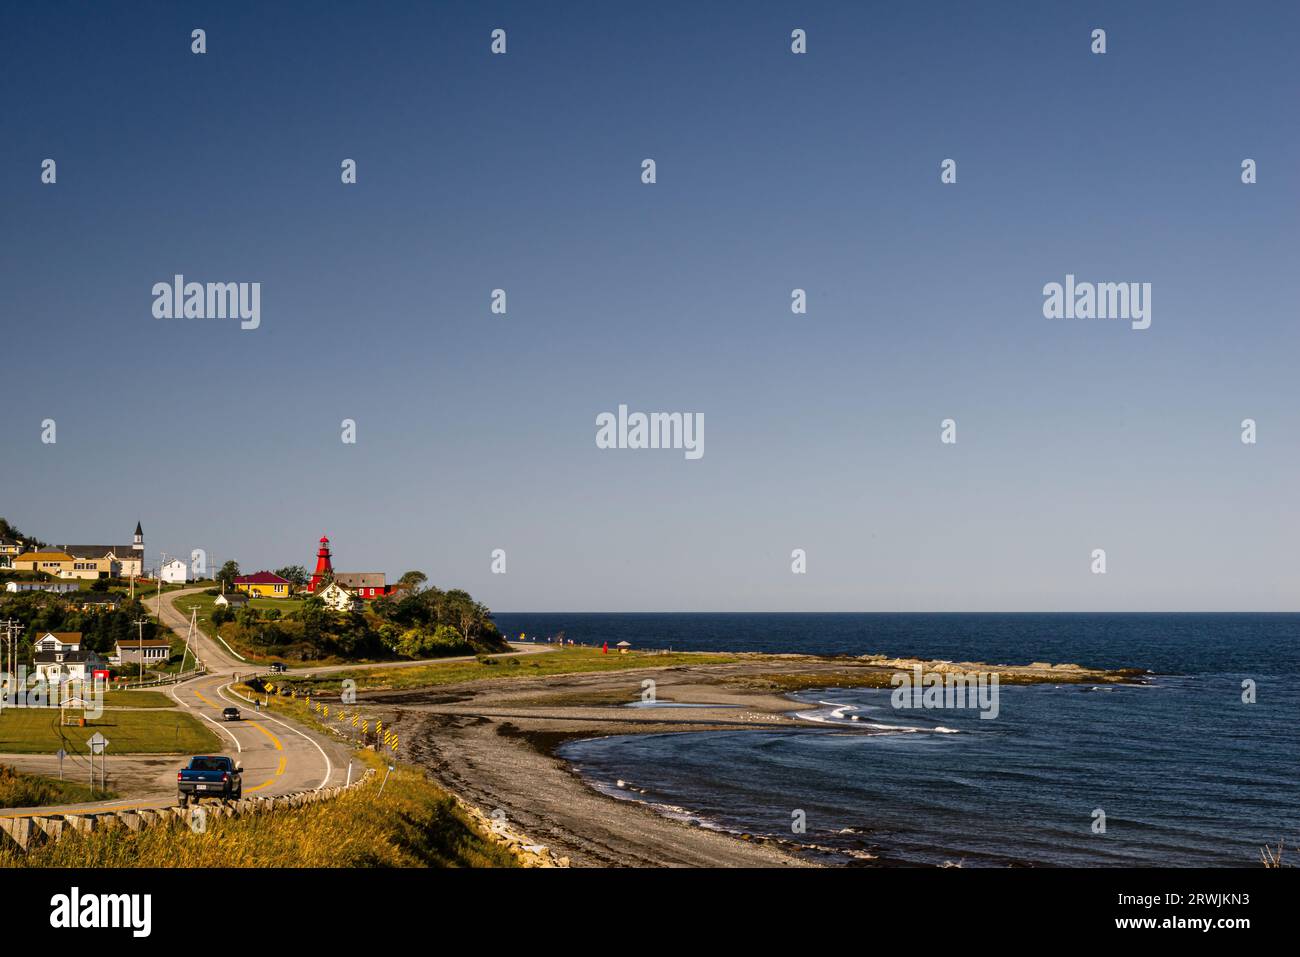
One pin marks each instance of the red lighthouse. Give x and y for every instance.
(324, 568)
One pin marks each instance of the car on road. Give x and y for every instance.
(279, 667)
(209, 775)
(230, 714)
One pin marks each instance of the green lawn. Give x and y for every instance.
(563, 661)
(139, 699)
(207, 603)
(255, 655)
(37, 731)
(151, 590)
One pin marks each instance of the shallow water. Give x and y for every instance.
(1184, 771)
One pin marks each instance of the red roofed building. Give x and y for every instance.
(367, 585)
(264, 585)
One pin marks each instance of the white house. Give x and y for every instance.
(232, 599)
(59, 658)
(174, 572)
(337, 597)
(57, 588)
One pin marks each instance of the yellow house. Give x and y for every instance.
(264, 585)
(62, 565)
(10, 548)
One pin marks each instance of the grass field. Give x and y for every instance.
(18, 789)
(151, 590)
(414, 824)
(37, 731)
(206, 604)
(139, 699)
(558, 662)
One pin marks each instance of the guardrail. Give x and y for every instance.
(169, 680)
(30, 831)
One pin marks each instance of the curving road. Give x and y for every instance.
(278, 756)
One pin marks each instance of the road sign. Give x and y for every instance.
(61, 754)
(98, 743)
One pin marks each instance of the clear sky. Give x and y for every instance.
(477, 431)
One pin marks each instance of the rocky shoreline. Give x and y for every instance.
(494, 744)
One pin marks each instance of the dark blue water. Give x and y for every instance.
(1184, 771)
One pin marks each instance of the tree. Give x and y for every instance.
(295, 575)
(11, 531)
(414, 580)
(229, 572)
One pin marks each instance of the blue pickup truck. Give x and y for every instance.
(209, 775)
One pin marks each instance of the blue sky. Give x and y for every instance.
(775, 171)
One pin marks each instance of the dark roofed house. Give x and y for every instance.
(58, 657)
(96, 600)
(231, 599)
(96, 551)
(128, 558)
(152, 651)
(365, 585)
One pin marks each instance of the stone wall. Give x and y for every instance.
(527, 852)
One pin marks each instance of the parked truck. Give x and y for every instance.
(209, 775)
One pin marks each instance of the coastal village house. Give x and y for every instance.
(55, 588)
(96, 600)
(152, 651)
(338, 598)
(174, 572)
(10, 548)
(126, 561)
(86, 562)
(365, 585)
(264, 585)
(59, 564)
(58, 658)
(234, 599)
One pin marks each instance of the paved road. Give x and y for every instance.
(277, 755)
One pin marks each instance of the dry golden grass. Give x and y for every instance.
(1269, 858)
(32, 790)
(414, 824)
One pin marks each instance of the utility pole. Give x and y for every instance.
(8, 652)
(139, 624)
(194, 625)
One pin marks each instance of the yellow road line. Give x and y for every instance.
(274, 739)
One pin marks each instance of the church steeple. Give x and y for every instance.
(138, 544)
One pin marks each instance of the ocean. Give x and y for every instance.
(1180, 770)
